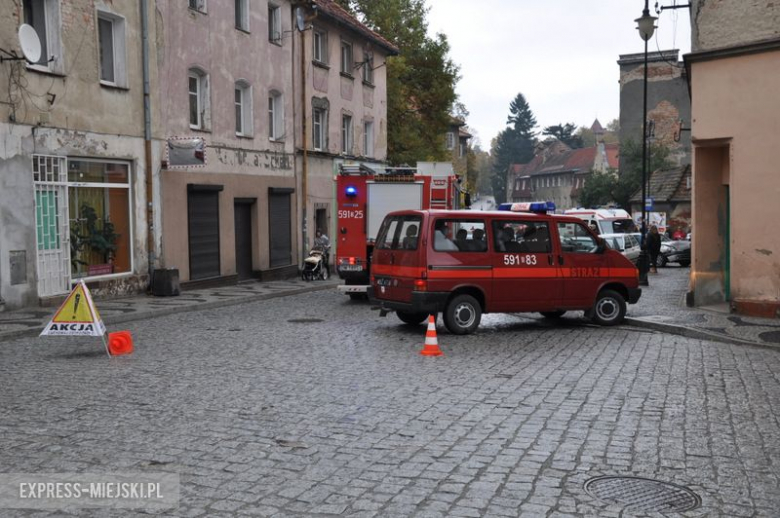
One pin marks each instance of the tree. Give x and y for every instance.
(420, 80)
(565, 133)
(604, 188)
(514, 145)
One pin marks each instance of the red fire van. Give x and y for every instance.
(466, 263)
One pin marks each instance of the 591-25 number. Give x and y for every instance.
(518, 259)
(346, 214)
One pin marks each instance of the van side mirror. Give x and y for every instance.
(601, 245)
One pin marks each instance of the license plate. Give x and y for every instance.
(351, 268)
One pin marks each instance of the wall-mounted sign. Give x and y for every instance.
(186, 152)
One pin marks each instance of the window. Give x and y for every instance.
(275, 116)
(346, 134)
(198, 97)
(459, 235)
(44, 17)
(368, 68)
(450, 140)
(575, 238)
(462, 150)
(346, 58)
(242, 15)
(243, 105)
(319, 121)
(320, 39)
(399, 233)
(198, 5)
(99, 214)
(521, 236)
(275, 24)
(368, 138)
(111, 37)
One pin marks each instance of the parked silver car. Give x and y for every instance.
(626, 244)
(675, 251)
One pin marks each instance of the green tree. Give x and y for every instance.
(565, 133)
(420, 80)
(514, 145)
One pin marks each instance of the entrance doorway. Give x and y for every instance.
(203, 226)
(242, 210)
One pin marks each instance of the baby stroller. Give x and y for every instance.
(316, 265)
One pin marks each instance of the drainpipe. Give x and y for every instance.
(305, 144)
(150, 241)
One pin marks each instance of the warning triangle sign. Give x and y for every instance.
(76, 316)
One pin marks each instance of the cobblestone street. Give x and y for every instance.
(313, 405)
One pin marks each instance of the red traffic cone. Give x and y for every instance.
(431, 347)
(120, 343)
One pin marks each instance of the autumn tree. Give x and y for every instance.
(420, 80)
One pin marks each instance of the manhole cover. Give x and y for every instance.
(643, 494)
(304, 320)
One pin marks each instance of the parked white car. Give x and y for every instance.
(626, 244)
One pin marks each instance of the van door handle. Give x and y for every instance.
(560, 259)
(550, 259)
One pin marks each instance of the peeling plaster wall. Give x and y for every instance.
(724, 23)
(667, 101)
(17, 211)
(735, 100)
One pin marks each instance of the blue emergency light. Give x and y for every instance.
(351, 191)
(540, 207)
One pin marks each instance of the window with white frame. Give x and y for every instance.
(44, 17)
(368, 138)
(319, 128)
(243, 105)
(198, 5)
(346, 58)
(275, 116)
(242, 15)
(450, 140)
(346, 134)
(198, 99)
(111, 38)
(368, 68)
(275, 24)
(320, 46)
(462, 150)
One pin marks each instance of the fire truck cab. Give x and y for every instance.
(364, 197)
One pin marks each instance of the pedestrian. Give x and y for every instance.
(322, 242)
(653, 247)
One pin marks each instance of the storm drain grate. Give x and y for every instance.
(643, 494)
(305, 320)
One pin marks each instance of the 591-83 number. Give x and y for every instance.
(518, 259)
(346, 214)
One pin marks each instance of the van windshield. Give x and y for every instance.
(399, 233)
(617, 226)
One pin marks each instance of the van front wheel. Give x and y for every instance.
(609, 309)
(462, 315)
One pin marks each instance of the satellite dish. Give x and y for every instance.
(30, 43)
(300, 20)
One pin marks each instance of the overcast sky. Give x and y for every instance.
(560, 54)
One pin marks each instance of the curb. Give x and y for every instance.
(129, 317)
(690, 332)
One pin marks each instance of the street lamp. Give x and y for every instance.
(646, 27)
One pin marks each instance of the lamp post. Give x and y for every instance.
(646, 27)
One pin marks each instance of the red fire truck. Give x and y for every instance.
(365, 197)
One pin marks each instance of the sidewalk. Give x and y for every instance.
(662, 308)
(30, 321)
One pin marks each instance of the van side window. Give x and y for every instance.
(521, 236)
(399, 233)
(459, 235)
(575, 238)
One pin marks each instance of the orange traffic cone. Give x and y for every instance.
(431, 347)
(120, 343)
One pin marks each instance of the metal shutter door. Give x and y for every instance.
(279, 222)
(203, 222)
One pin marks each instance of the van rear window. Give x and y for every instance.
(399, 233)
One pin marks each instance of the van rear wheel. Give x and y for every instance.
(552, 314)
(462, 315)
(609, 309)
(413, 319)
